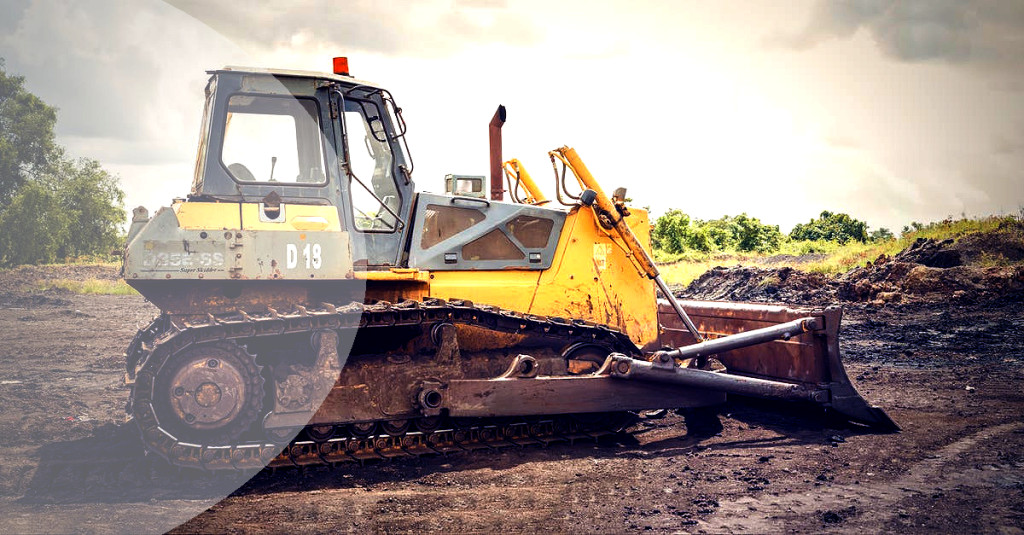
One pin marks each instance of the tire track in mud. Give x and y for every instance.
(937, 473)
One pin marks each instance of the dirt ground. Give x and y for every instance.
(948, 370)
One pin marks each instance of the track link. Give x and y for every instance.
(164, 338)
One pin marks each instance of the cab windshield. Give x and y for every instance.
(273, 139)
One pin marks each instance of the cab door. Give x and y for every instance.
(376, 192)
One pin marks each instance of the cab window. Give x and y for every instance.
(269, 139)
(374, 193)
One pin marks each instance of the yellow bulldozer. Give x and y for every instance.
(316, 308)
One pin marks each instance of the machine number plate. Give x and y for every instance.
(310, 255)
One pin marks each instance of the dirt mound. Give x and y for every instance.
(979, 267)
(891, 280)
(746, 283)
(19, 277)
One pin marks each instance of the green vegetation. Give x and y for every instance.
(676, 233)
(52, 208)
(834, 227)
(88, 287)
(830, 257)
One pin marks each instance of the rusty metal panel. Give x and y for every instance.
(803, 358)
(566, 395)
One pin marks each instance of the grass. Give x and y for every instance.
(88, 287)
(821, 257)
(85, 261)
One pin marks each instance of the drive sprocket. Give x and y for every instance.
(209, 393)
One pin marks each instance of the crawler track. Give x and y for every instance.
(164, 338)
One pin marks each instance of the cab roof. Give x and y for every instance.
(292, 73)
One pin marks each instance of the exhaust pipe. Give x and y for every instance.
(494, 129)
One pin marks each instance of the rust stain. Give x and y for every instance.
(472, 338)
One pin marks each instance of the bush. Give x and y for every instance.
(73, 209)
(754, 236)
(671, 232)
(882, 234)
(831, 227)
(675, 233)
(34, 227)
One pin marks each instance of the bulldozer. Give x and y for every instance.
(315, 308)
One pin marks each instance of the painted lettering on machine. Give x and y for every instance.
(199, 262)
(312, 256)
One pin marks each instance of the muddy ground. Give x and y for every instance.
(948, 370)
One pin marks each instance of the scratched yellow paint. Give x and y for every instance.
(607, 289)
(511, 289)
(235, 216)
(590, 278)
(296, 217)
(208, 215)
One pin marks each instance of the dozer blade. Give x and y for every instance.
(769, 351)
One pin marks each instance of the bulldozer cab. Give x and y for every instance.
(280, 138)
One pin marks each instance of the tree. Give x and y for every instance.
(90, 197)
(676, 232)
(913, 227)
(26, 134)
(831, 227)
(755, 236)
(881, 234)
(73, 208)
(671, 232)
(722, 232)
(51, 207)
(34, 227)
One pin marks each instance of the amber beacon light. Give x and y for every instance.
(341, 66)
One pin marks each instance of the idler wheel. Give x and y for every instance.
(585, 358)
(209, 394)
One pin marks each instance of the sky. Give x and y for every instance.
(890, 111)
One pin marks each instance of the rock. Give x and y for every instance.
(890, 297)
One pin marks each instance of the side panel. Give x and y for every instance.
(594, 279)
(591, 278)
(465, 233)
(198, 242)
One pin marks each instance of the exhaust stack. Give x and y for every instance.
(494, 129)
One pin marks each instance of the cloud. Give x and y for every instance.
(424, 29)
(127, 80)
(985, 34)
(1008, 144)
(11, 12)
(109, 67)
